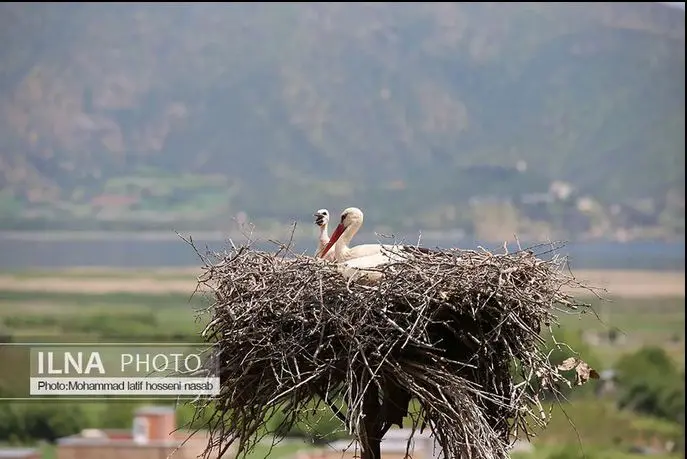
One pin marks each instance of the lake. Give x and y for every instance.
(138, 252)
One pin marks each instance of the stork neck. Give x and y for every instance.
(341, 249)
(324, 235)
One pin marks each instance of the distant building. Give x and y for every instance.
(19, 453)
(562, 190)
(152, 436)
(586, 204)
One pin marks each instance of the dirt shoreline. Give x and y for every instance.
(617, 283)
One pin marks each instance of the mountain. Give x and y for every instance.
(280, 109)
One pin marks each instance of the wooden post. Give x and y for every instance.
(372, 440)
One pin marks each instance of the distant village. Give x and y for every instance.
(565, 209)
(203, 202)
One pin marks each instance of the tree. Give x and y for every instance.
(650, 382)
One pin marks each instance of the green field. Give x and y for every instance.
(621, 325)
(101, 316)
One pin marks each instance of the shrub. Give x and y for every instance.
(650, 383)
(23, 423)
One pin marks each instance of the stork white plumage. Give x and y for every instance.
(359, 260)
(322, 221)
(351, 221)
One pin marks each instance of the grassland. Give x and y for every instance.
(106, 304)
(617, 283)
(103, 316)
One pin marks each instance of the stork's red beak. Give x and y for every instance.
(335, 237)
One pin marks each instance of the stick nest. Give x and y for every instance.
(458, 331)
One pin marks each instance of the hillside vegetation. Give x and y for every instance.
(484, 117)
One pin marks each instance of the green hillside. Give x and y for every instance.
(139, 116)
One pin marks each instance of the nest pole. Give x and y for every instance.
(372, 432)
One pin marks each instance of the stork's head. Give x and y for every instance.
(350, 217)
(321, 217)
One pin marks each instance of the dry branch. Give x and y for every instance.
(456, 330)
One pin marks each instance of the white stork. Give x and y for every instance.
(351, 221)
(355, 260)
(322, 220)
